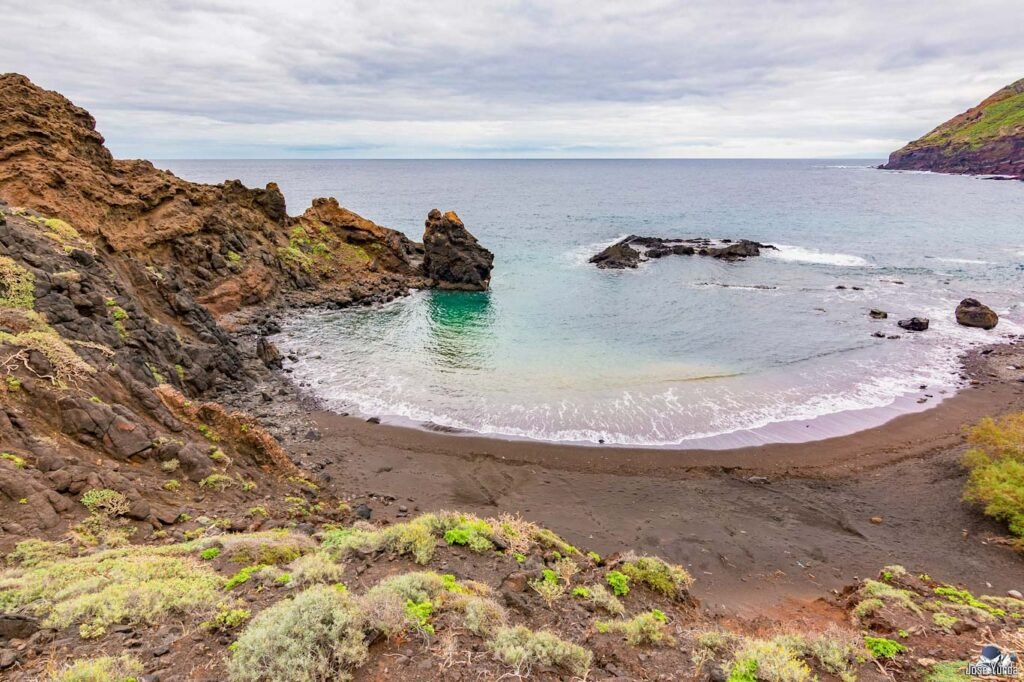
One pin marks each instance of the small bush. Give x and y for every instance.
(315, 636)
(775, 660)
(32, 553)
(106, 502)
(316, 567)
(228, 619)
(619, 583)
(880, 647)
(242, 576)
(996, 469)
(96, 591)
(171, 485)
(523, 649)
(18, 462)
(218, 482)
(483, 616)
(670, 580)
(548, 586)
(209, 553)
(170, 465)
(124, 668)
(646, 628)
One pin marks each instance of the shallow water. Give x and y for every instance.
(685, 350)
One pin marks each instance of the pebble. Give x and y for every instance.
(876, 520)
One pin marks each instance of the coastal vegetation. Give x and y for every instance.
(995, 464)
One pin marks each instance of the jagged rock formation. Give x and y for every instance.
(633, 250)
(452, 257)
(122, 288)
(228, 246)
(972, 313)
(984, 140)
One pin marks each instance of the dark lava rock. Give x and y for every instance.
(633, 250)
(364, 512)
(972, 313)
(17, 626)
(877, 314)
(617, 257)
(452, 256)
(914, 324)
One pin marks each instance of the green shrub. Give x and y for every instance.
(171, 485)
(523, 649)
(316, 567)
(132, 586)
(880, 647)
(242, 576)
(315, 636)
(31, 553)
(581, 591)
(228, 619)
(106, 502)
(619, 583)
(219, 482)
(965, 598)
(670, 580)
(419, 613)
(17, 285)
(18, 462)
(483, 616)
(775, 660)
(646, 628)
(996, 469)
(209, 553)
(124, 668)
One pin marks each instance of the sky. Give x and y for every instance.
(515, 78)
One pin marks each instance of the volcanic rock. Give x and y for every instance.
(633, 250)
(914, 324)
(452, 257)
(972, 313)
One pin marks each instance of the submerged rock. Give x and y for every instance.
(972, 313)
(452, 257)
(914, 324)
(633, 250)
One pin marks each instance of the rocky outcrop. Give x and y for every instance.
(226, 247)
(452, 257)
(914, 324)
(972, 313)
(984, 140)
(633, 250)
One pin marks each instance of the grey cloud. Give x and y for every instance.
(312, 77)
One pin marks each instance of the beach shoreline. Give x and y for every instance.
(758, 526)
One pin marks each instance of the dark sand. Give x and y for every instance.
(749, 542)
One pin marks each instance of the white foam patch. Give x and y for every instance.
(964, 261)
(805, 255)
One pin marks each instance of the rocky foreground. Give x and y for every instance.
(987, 139)
(151, 532)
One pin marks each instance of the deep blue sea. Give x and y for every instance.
(684, 351)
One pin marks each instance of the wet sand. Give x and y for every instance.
(754, 525)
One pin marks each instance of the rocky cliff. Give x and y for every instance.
(984, 140)
(126, 293)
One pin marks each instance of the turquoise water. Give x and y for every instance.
(683, 351)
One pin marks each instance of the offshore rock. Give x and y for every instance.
(452, 257)
(972, 313)
(914, 324)
(633, 250)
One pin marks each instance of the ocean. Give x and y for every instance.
(684, 351)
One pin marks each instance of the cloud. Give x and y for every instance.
(751, 78)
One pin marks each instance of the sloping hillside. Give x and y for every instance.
(984, 140)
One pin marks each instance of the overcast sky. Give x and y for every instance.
(554, 78)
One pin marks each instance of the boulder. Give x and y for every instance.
(620, 256)
(972, 313)
(877, 314)
(914, 324)
(452, 257)
(268, 353)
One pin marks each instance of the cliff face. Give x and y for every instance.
(985, 140)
